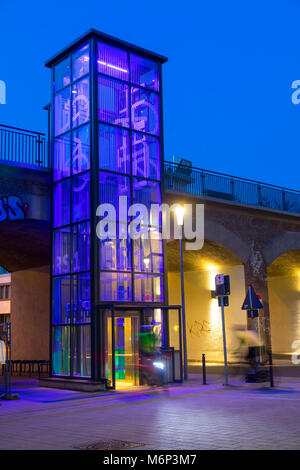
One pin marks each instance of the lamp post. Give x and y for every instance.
(179, 212)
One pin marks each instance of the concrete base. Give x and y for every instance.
(81, 385)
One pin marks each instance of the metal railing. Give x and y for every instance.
(23, 147)
(195, 181)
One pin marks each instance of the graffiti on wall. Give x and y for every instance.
(12, 208)
(198, 328)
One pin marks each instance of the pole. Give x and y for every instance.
(271, 370)
(185, 367)
(203, 369)
(224, 341)
(253, 327)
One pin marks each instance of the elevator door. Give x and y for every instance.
(126, 353)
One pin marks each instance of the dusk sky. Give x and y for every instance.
(227, 84)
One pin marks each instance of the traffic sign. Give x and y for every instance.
(251, 301)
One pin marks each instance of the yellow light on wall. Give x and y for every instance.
(179, 212)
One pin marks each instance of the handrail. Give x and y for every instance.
(23, 147)
(196, 181)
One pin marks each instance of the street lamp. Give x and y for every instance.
(179, 212)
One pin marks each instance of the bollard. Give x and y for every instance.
(271, 370)
(203, 370)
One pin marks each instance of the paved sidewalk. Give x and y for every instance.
(186, 416)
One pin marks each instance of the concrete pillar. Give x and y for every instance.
(256, 274)
(30, 313)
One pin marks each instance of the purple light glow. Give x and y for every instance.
(112, 61)
(112, 66)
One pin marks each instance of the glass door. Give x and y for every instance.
(123, 349)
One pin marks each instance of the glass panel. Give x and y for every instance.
(61, 209)
(81, 149)
(152, 322)
(81, 357)
(81, 197)
(113, 102)
(62, 74)
(143, 72)
(61, 350)
(61, 251)
(148, 253)
(81, 247)
(62, 111)
(81, 298)
(81, 62)
(148, 192)
(115, 254)
(144, 111)
(112, 61)
(145, 156)
(61, 300)
(114, 149)
(126, 329)
(111, 187)
(148, 288)
(115, 286)
(61, 163)
(80, 102)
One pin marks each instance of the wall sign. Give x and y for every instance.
(12, 208)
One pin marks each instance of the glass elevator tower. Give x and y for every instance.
(107, 148)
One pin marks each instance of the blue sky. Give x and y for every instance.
(227, 85)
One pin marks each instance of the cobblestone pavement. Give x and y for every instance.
(184, 416)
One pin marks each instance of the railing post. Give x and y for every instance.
(39, 142)
(259, 195)
(202, 189)
(283, 200)
(232, 188)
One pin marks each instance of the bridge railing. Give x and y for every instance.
(21, 146)
(194, 181)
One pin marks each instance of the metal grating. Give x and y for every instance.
(110, 445)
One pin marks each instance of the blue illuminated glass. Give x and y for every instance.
(62, 111)
(80, 102)
(115, 286)
(113, 102)
(115, 254)
(81, 353)
(61, 251)
(144, 72)
(81, 247)
(61, 350)
(147, 192)
(62, 74)
(81, 62)
(61, 200)
(81, 149)
(114, 149)
(111, 187)
(81, 298)
(81, 197)
(145, 111)
(148, 252)
(61, 157)
(145, 156)
(112, 61)
(148, 288)
(61, 300)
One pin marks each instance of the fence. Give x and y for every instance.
(21, 146)
(183, 178)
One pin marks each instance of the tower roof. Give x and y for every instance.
(109, 40)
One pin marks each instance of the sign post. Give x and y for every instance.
(222, 292)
